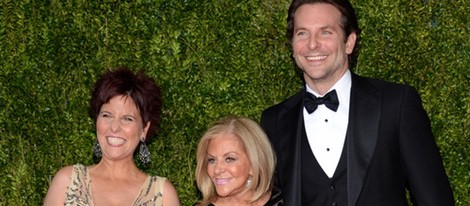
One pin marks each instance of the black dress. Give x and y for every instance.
(274, 200)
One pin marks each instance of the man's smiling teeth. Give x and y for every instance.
(115, 141)
(313, 58)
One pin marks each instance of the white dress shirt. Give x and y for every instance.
(326, 129)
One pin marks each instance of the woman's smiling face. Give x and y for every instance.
(119, 128)
(228, 165)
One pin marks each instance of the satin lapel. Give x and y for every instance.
(362, 134)
(291, 122)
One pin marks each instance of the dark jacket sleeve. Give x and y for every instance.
(419, 154)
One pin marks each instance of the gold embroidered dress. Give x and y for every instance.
(79, 190)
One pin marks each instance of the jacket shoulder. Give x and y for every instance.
(371, 85)
(286, 104)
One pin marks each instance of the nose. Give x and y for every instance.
(313, 42)
(115, 125)
(219, 168)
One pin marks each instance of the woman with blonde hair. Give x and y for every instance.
(235, 165)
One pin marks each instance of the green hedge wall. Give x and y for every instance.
(211, 58)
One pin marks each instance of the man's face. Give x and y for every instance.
(318, 44)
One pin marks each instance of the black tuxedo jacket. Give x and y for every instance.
(389, 145)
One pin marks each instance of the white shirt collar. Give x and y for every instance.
(342, 87)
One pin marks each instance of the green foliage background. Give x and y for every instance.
(211, 58)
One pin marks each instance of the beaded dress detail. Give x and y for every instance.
(79, 190)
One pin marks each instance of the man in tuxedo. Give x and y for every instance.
(346, 139)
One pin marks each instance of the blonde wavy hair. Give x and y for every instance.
(257, 147)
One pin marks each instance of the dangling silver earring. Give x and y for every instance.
(97, 149)
(144, 153)
(249, 181)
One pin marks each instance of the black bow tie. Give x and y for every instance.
(330, 100)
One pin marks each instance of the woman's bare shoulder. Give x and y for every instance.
(58, 187)
(170, 196)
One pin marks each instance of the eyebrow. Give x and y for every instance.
(225, 154)
(321, 28)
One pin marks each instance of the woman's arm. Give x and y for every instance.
(170, 196)
(58, 188)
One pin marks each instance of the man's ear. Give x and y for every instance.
(350, 42)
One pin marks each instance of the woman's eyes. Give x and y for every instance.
(227, 159)
(230, 159)
(105, 115)
(126, 119)
(129, 119)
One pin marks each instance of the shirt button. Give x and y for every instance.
(334, 204)
(332, 187)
